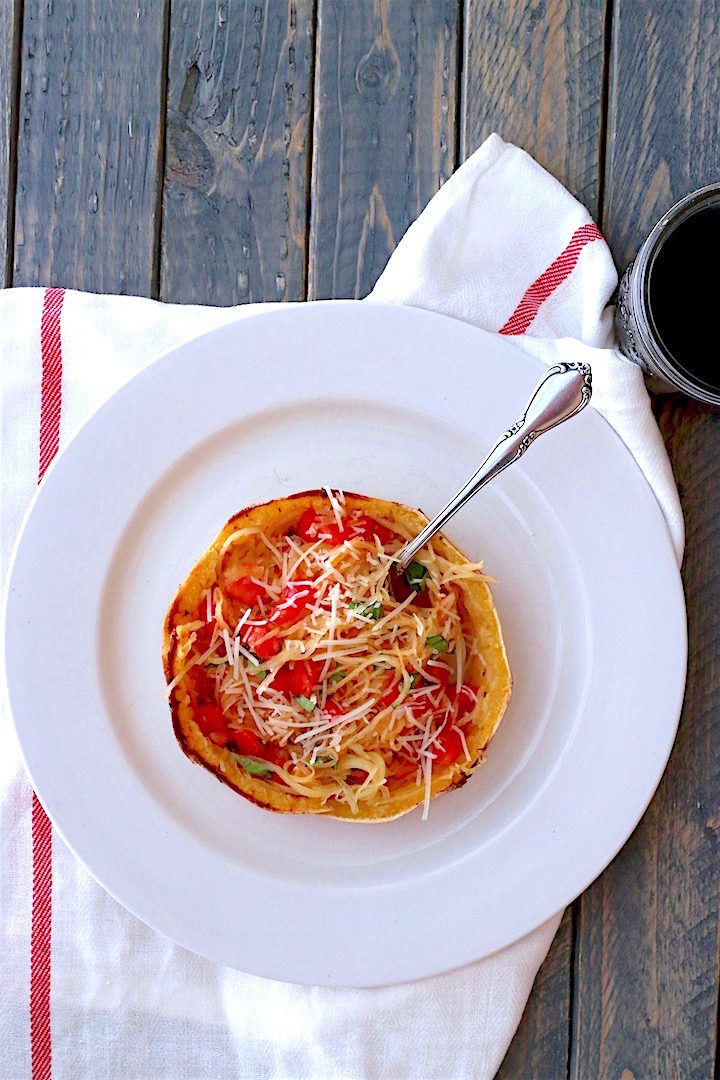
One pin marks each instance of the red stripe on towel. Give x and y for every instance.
(51, 389)
(40, 941)
(549, 280)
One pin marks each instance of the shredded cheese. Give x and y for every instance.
(381, 696)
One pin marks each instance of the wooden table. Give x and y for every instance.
(224, 152)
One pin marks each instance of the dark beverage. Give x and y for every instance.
(667, 296)
(682, 294)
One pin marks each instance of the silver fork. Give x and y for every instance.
(562, 393)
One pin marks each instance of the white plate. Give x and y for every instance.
(391, 402)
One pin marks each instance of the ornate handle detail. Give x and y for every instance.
(563, 392)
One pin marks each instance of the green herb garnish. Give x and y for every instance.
(372, 611)
(437, 643)
(337, 676)
(415, 575)
(250, 765)
(414, 679)
(255, 669)
(306, 703)
(215, 663)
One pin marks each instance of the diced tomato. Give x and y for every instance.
(245, 590)
(247, 742)
(203, 637)
(464, 700)
(259, 641)
(333, 709)
(204, 685)
(418, 706)
(382, 532)
(294, 601)
(357, 776)
(438, 673)
(399, 584)
(402, 589)
(362, 525)
(305, 677)
(279, 755)
(298, 678)
(312, 526)
(306, 527)
(210, 718)
(390, 696)
(448, 747)
(281, 679)
(422, 598)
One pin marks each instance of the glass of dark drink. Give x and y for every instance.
(664, 313)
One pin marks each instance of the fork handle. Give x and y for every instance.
(563, 391)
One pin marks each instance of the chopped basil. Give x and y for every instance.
(437, 643)
(372, 611)
(255, 669)
(250, 765)
(306, 703)
(415, 575)
(337, 676)
(414, 679)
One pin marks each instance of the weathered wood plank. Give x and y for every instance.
(89, 146)
(9, 74)
(663, 131)
(647, 971)
(649, 932)
(533, 72)
(237, 164)
(541, 1044)
(384, 133)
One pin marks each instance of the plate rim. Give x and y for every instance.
(220, 331)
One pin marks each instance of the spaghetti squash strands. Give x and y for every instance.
(296, 677)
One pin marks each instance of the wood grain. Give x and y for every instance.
(237, 164)
(541, 1044)
(89, 147)
(649, 933)
(9, 75)
(663, 131)
(533, 72)
(647, 970)
(384, 132)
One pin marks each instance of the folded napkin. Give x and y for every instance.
(89, 991)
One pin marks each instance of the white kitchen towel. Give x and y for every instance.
(87, 990)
